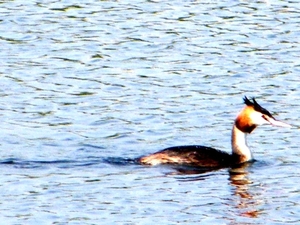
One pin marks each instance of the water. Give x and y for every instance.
(86, 87)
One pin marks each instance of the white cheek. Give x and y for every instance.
(257, 119)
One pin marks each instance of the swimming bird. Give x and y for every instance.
(251, 116)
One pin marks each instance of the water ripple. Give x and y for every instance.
(88, 86)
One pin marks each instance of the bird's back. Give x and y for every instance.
(193, 155)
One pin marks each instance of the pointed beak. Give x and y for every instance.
(276, 123)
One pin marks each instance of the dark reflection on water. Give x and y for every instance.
(188, 170)
(27, 164)
(31, 164)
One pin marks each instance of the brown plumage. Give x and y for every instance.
(247, 120)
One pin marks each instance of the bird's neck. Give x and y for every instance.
(240, 151)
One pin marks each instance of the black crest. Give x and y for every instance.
(256, 106)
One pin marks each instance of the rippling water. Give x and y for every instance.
(86, 87)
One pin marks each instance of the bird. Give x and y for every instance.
(250, 117)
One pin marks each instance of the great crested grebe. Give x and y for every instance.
(247, 120)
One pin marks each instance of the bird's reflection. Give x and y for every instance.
(246, 203)
(243, 201)
(189, 173)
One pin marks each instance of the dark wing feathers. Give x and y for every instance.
(198, 155)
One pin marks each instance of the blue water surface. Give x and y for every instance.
(87, 87)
